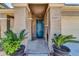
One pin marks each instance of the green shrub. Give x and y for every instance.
(11, 43)
(60, 39)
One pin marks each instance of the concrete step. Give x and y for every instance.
(38, 47)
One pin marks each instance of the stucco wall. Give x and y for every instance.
(45, 27)
(3, 23)
(19, 19)
(70, 25)
(33, 27)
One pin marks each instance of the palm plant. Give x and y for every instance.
(12, 41)
(60, 39)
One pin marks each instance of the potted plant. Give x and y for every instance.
(11, 43)
(59, 48)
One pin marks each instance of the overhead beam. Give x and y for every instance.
(56, 5)
(21, 5)
(7, 10)
(70, 13)
(71, 8)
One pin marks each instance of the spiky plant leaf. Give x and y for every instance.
(59, 40)
(12, 42)
(71, 41)
(22, 34)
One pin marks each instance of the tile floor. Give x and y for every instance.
(74, 48)
(38, 47)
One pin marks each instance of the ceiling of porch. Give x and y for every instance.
(38, 10)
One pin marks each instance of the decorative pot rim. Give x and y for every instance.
(22, 47)
(63, 48)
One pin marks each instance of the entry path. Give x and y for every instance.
(37, 47)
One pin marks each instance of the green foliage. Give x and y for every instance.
(60, 39)
(12, 41)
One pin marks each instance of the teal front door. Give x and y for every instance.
(39, 28)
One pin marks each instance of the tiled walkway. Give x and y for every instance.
(38, 47)
(74, 48)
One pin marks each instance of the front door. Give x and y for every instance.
(39, 28)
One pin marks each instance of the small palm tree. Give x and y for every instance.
(60, 39)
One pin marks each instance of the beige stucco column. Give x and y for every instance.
(55, 22)
(3, 24)
(20, 17)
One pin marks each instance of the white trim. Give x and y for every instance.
(28, 18)
(3, 18)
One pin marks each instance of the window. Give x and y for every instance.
(10, 20)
